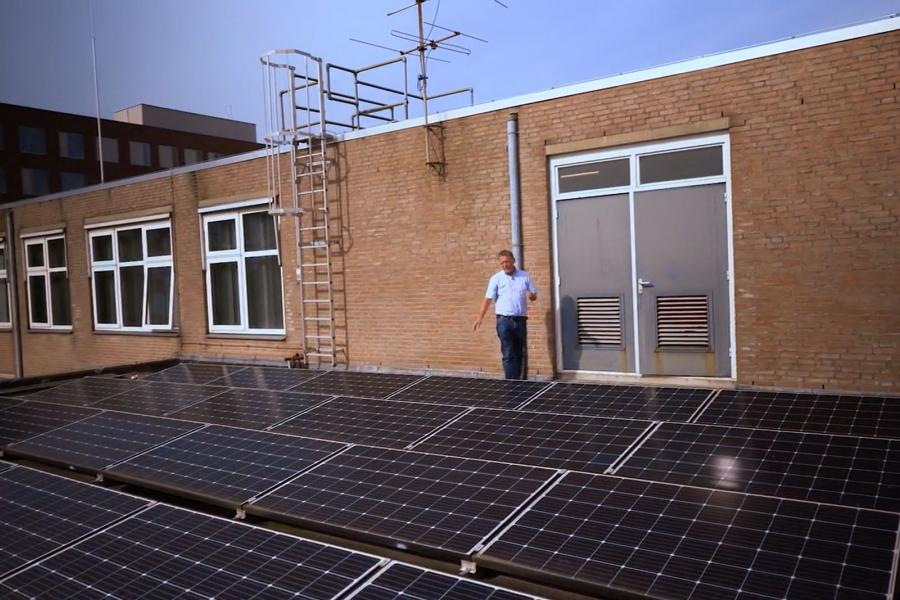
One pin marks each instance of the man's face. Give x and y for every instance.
(508, 265)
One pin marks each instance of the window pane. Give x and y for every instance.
(159, 242)
(71, 181)
(264, 293)
(71, 145)
(102, 248)
(37, 287)
(35, 255)
(259, 231)
(140, 153)
(682, 164)
(2, 259)
(2, 180)
(35, 182)
(32, 140)
(110, 149)
(192, 156)
(221, 235)
(130, 245)
(159, 281)
(168, 156)
(224, 289)
(132, 281)
(105, 289)
(592, 176)
(4, 301)
(56, 252)
(59, 299)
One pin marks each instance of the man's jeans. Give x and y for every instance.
(512, 334)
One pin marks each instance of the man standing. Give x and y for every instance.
(507, 288)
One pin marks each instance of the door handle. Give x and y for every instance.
(643, 284)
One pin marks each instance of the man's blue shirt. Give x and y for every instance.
(508, 292)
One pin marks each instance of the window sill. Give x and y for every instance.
(277, 337)
(49, 330)
(173, 333)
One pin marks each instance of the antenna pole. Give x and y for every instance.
(423, 77)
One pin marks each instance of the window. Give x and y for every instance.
(681, 164)
(34, 182)
(110, 148)
(243, 273)
(140, 153)
(71, 181)
(168, 156)
(48, 282)
(595, 175)
(32, 140)
(71, 145)
(4, 289)
(192, 156)
(131, 270)
(2, 180)
(214, 155)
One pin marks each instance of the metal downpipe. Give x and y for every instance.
(515, 200)
(12, 279)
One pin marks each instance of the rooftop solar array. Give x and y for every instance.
(161, 398)
(6, 402)
(620, 401)
(31, 418)
(85, 391)
(197, 373)
(43, 512)
(438, 505)
(266, 378)
(603, 534)
(855, 471)
(482, 393)
(252, 409)
(849, 415)
(166, 552)
(100, 440)
(405, 582)
(356, 383)
(375, 422)
(222, 465)
(539, 439)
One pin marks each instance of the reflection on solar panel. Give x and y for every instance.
(376, 422)
(849, 415)
(100, 440)
(43, 512)
(539, 439)
(5, 465)
(161, 398)
(197, 373)
(166, 552)
(253, 409)
(85, 391)
(847, 470)
(620, 401)
(6, 402)
(31, 418)
(266, 378)
(482, 393)
(406, 582)
(602, 533)
(222, 465)
(438, 505)
(354, 383)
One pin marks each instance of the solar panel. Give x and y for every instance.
(437, 505)
(539, 439)
(222, 465)
(603, 534)
(366, 421)
(161, 398)
(197, 373)
(854, 471)
(100, 440)
(167, 552)
(850, 415)
(253, 409)
(620, 401)
(7, 402)
(266, 378)
(406, 582)
(43, 512)
(5, 465)
(482, 393)
(31, 418)
(85, 391)
(356, 383)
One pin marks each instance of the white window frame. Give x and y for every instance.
(238, 255)
(147, 262)
(44, 271)
(4, 325)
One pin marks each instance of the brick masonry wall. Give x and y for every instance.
(815, 155)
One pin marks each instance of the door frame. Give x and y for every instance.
(632, 152)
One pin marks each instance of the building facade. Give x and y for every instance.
(733, 218)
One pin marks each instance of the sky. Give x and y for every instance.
(203, 55)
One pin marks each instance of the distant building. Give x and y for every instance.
(44, 151)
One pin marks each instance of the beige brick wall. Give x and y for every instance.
(815, 178)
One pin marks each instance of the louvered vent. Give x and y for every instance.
(599, 321)
(682, 321)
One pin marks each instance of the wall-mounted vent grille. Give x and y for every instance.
(682, 321)
(599, 321)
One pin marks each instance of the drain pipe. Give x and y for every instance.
(515, 201)
(12, 280)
